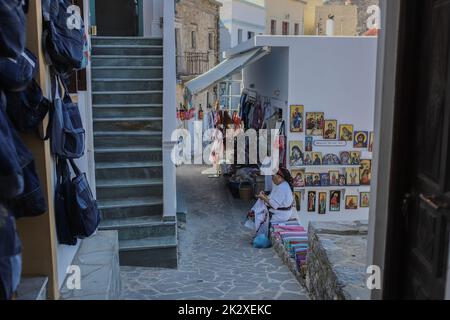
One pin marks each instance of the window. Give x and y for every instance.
(193, 39)
(273, 27)
(285, 28)
(250, 35)
(239, 35)
(296, 29)
(211, 41)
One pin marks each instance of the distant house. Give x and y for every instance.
(197, 43)
(344, 19)
(285, 17)
(350, 16)
(240, 20)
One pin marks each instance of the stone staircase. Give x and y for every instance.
(127, 84)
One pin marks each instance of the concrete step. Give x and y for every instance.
(127, 72)
(127, 41)
(98, 259)
(127, 97)
(128, 124)
(140, 227)
(127, 84)
(128, 154)
(134, 170)
(33, 288)
(118, 208)
(158, 252)
(141, 191)
(111, 139)
(126, 61)
(118, 49)
(127, 110)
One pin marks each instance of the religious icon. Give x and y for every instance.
(316, 180)
(297, 118)
(334, 178)
(330, 130)
(309, 144)
(331, 160)
(364, 199)
(355, 157)
(361, 139)
(365, 172)
(346, 132)
(311, 201)
(296, 153)
(309, 180)
(335, 201)
(352, 176)
(317, 158)
(370, 148)
(298, 200)
(345, 158)
(342, 180)
(298, 178)
(315, 123)
(308, 161)
(351, 202)
(322, 203)
(324, 179)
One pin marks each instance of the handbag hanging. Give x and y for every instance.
(84, 215)
(12, 28)
(65, 129)
(64, 36)
(27, 109)
(62, 198)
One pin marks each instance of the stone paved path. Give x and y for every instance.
(216, 260)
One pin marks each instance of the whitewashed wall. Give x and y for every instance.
(334, 75)
(152, 13)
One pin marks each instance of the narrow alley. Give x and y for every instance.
(216, 259)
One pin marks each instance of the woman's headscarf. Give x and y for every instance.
(283, 172)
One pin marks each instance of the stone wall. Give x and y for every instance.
(201, 17)
(336, 261)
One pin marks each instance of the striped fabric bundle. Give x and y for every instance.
(294, 238)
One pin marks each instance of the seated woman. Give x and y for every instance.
(278, 206)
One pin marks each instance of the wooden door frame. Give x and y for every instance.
(397, 61)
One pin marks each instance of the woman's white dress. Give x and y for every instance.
(280, 197)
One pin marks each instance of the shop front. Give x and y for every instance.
(317, 95)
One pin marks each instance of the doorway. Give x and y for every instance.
(419, 214)
(117, 18)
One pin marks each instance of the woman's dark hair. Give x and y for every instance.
(287, 177)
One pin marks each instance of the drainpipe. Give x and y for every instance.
(169, 111)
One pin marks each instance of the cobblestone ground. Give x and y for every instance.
(216, 259)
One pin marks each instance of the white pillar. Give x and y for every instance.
(169, 111)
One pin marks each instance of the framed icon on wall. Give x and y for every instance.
(335, 200)
(330, 130)
(297, 112)
(346, 132)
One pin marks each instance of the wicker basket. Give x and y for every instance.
(246, 191)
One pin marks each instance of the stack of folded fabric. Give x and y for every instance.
(294, 238)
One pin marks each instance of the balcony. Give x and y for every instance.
(192, 64)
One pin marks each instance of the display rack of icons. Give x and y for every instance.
(329, 180)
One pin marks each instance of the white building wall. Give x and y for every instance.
(240, 14)
(236, 15)
(332, 75)
(152, 11)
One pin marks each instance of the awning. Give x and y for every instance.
(225, 69)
